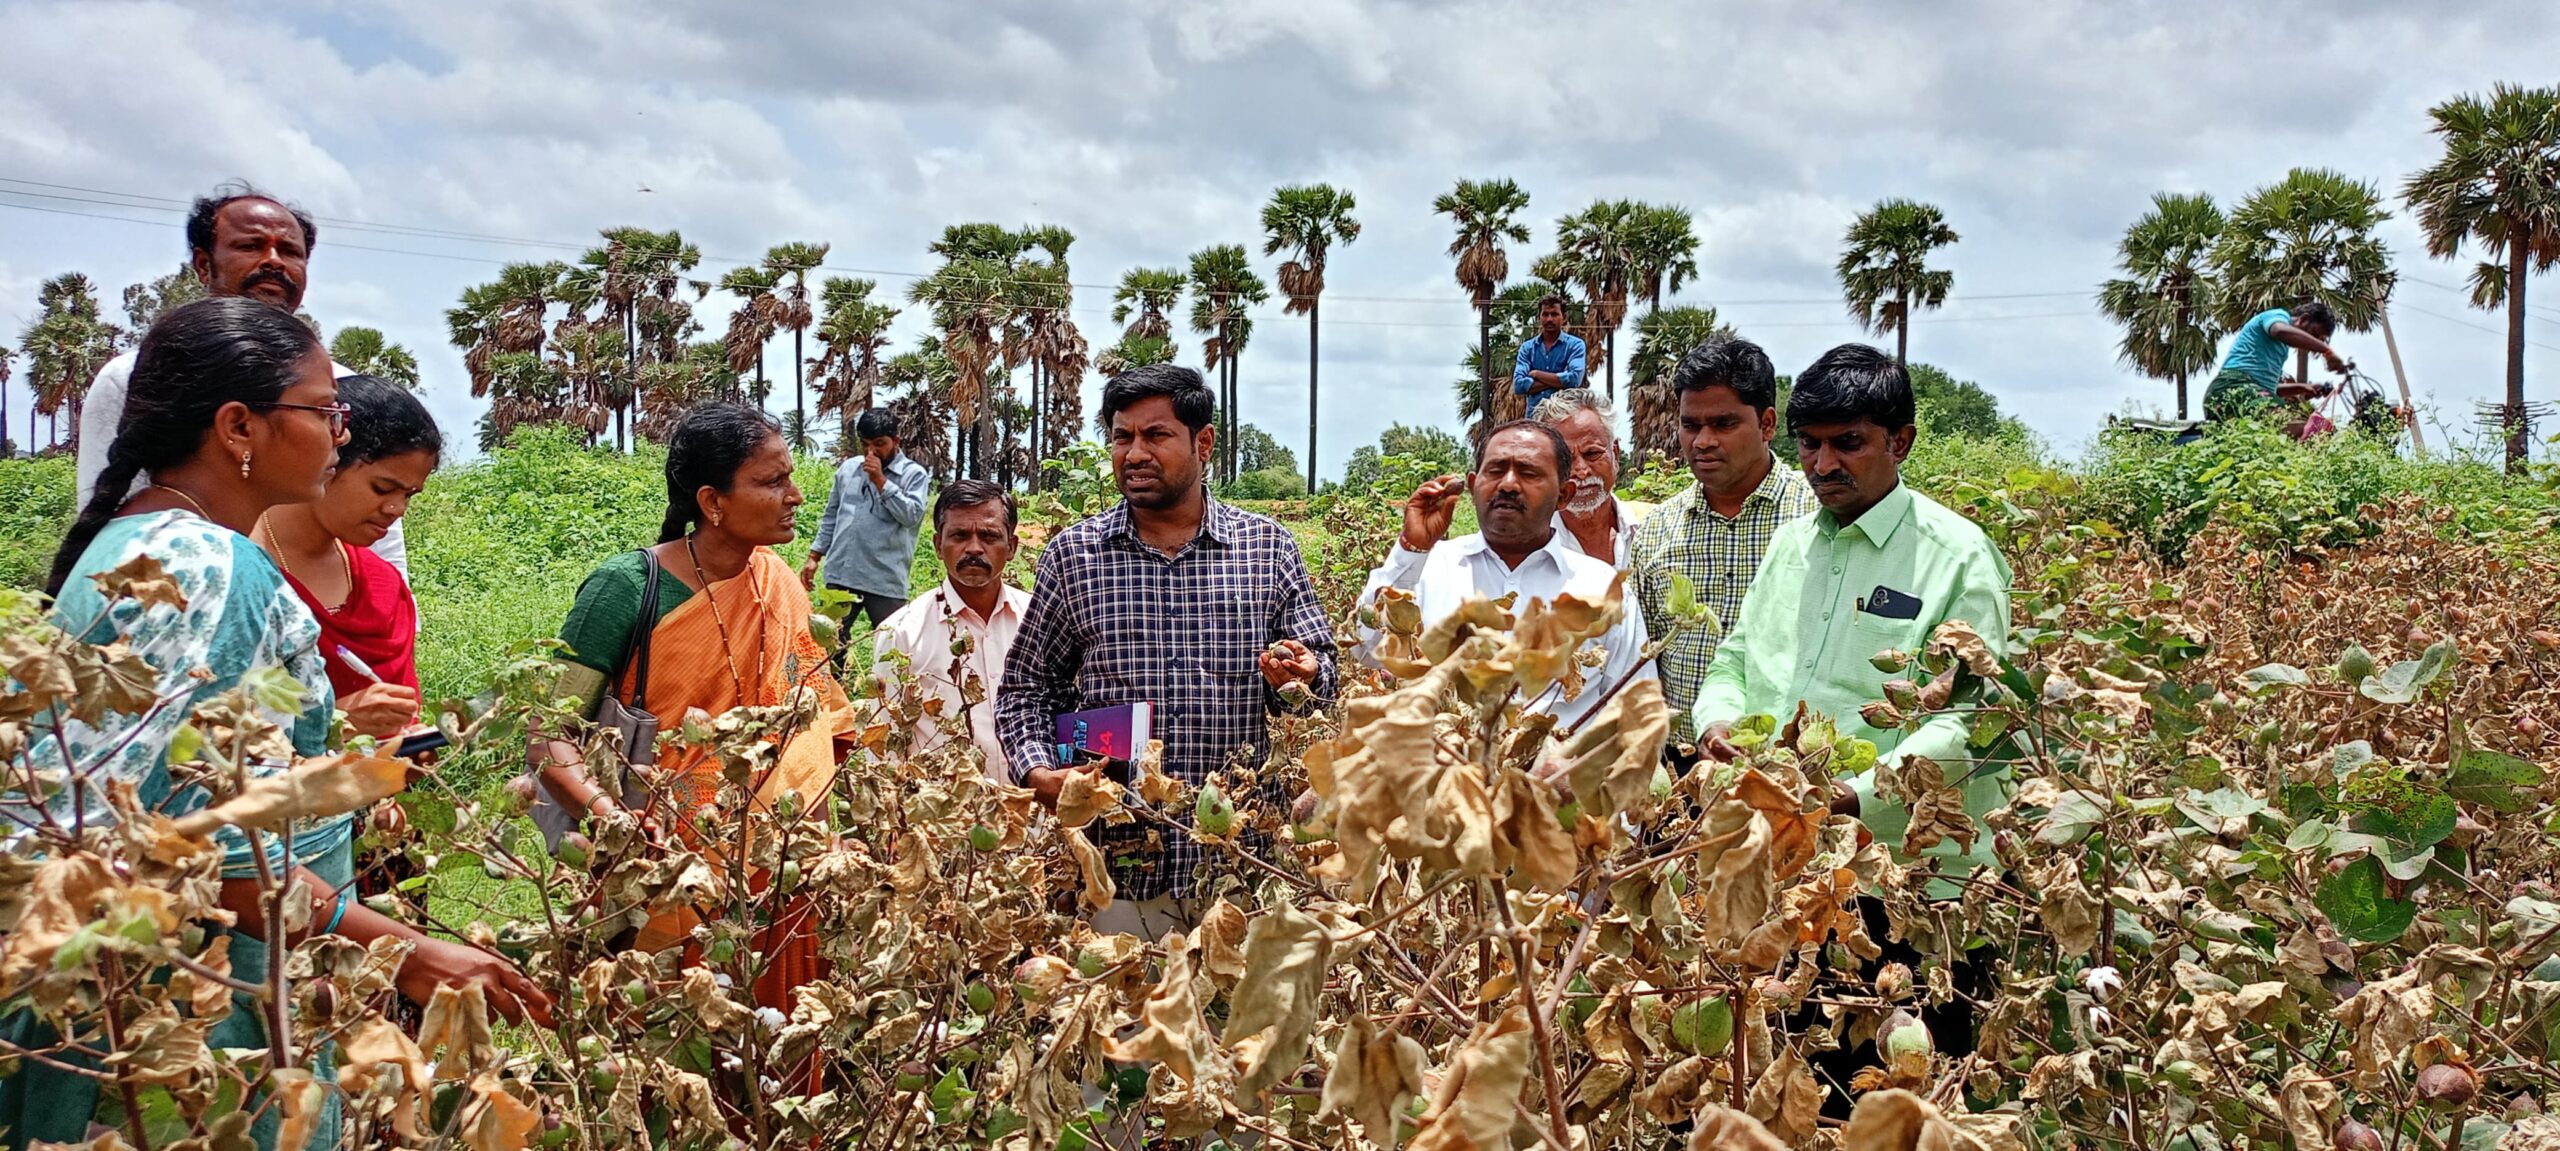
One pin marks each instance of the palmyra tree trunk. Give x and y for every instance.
(1484, 360)
(2514, 414)
(1902, 331)
(799, 393)
(1311, 395)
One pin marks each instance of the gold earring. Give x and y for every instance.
(244, 464)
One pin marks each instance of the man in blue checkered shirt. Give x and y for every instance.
(1199, 608)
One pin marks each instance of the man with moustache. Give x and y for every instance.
(1519, 552)
(1878, 568)
(1714, 532)
(240, 242)
(1195, 606)
(1590, 518)
(954, 639)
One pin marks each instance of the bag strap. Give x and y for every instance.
(636, 645)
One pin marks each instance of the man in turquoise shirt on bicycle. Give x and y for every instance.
(2252, 377)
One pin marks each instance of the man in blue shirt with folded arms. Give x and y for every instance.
(1550, 363)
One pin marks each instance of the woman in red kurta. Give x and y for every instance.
(368, 620)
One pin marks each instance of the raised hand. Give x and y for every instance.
(1429, 510)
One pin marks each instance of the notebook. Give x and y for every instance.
(1111, 732)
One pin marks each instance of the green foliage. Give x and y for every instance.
(35, 509)
(1404, 451)
(2280, 493)
(1280, 483)
(1257, 450)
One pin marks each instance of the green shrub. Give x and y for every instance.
(35, 509)
(1266, 484)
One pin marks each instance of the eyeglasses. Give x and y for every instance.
(337, 413)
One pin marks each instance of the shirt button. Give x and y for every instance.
(1835, 569)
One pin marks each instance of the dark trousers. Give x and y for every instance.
(1950, 1024)
(870, 605)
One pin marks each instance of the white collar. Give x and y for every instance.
(1011, 599)
(1559, 543)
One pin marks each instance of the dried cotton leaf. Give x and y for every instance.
(1472, 1109)
(1285, 954)
(1720, 1128)
(313, 789)
(1374, 1077)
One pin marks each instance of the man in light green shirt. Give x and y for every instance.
(1878, 568)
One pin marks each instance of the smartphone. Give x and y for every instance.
(419, 743)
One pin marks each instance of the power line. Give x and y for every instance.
(2465, 293)
(1103, 309)
(177, 206)
(2473, 326)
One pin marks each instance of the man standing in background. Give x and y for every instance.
(1550, 363)
(1714, 532)
(974, 535)
(1591, 518)
(240, 242)
(866, 541)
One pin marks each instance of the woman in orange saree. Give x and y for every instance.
(730, 629)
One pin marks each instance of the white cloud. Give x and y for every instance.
(1155, 129)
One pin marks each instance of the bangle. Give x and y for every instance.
(346, 898)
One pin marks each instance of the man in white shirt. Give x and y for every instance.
(973, 532)
(1589, 518)
(241, 242)
(1519, 472)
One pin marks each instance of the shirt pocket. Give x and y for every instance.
(1235, 625)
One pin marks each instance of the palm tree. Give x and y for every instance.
(2165, 300)
(972, 297)
(924, 412)
(1884, 268)
(1486, 212)
(794, 261)
(1308, 219)
(2307, 237)
(1223, 285)
(1665, 251)
(850, 337)
(506, 315)
(1143, 298)
(6, 356)
(1596, 250)
(365, 351)
(2497, 186)
(634, 278)
(65, 345)
(756, 320)
(1662, 337)
(1051, 345)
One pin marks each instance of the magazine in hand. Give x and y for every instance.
(1116, 733)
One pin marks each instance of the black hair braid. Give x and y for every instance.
(197, 359)
(711, 442)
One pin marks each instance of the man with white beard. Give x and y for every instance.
(1589, 518)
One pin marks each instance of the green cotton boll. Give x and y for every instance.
(2354, 664)
(1704, 1026)
(1212, 815)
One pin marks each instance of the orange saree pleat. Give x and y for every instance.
(752, 628)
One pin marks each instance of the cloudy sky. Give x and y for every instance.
(1154, 128)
